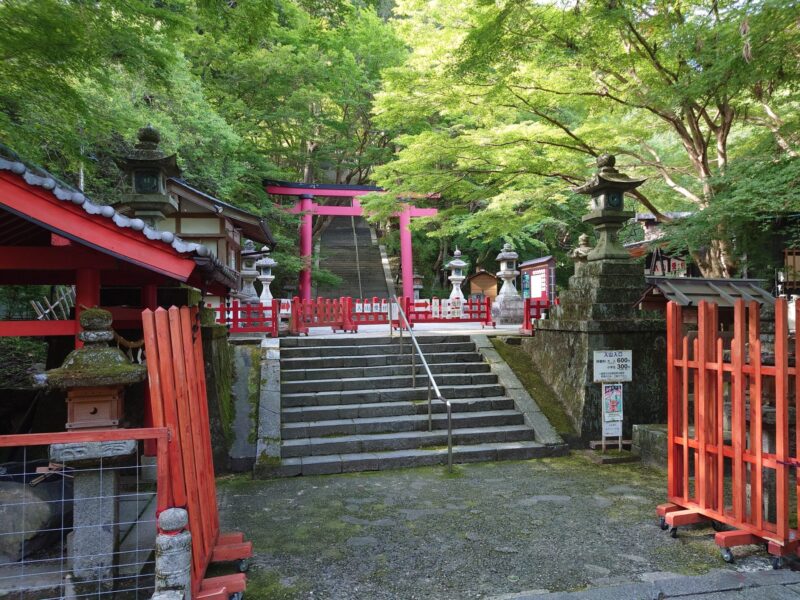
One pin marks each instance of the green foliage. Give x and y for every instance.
(504, 105)
(20, 355)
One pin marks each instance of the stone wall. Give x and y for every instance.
(598, 312)
(564, 352)
(218, 359)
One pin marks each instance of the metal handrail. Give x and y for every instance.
(432, 387)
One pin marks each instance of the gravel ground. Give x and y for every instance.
(488, 530)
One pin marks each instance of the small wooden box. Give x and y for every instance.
(95, 408)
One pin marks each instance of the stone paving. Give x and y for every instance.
(511, 530)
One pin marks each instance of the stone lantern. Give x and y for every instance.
(147, 169)
(418, 285)
(508, 306)
(265, 276)
(248, 294)
(607, 214)
(95, 376)
(456, 268)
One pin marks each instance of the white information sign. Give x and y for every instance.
(612, 410)
(613, 365)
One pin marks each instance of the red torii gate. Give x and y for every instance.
(307, 192)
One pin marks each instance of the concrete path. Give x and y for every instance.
(494, 530)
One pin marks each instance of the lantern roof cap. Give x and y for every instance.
(96, 364)
(608, 177)
(507, 253)
(457, 262)
(147, 153)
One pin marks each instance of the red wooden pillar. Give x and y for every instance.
(306, 234)
(87, 293)
(406, 254)
(150, 296)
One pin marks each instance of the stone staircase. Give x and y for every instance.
(347, 404)
(338, 244)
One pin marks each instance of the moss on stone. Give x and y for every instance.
(521, 364)
(254, 384)
(223, 373)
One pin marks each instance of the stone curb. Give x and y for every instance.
(716, 582)
(543, 431)
(268, 444)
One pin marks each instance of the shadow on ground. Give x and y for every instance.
(489, 529)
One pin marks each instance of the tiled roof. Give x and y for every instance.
(38, 177)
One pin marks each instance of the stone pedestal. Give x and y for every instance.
(95, 537)
(508, 309)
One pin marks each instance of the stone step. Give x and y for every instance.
(388, 395)
(381, 371)
(351, 444)
(380, 383)
(344, 351)
(338, 340)
(387, 409)
(393, 424)
(373, 360)
(396, 459)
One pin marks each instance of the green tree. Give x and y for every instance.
(511, 101)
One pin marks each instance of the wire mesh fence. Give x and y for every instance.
(78, 516)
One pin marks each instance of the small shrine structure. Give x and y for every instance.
(52, 234)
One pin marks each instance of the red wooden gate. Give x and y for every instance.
(250, 318)
(177, 384)
(733, 470)
(322, 312)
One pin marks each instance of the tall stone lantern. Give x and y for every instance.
(599, 313)
(147, 169)
(95, 378)
(264, 266)
(248, 294)
(456, 268)
(508, 306)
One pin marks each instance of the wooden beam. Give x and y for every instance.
(37, 328)
(53, 258)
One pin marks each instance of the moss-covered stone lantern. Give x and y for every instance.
(607, 213)
(147, 169)
(95, 376)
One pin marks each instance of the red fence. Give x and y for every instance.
(250, 318)
(533, 311)
(730, 452)
(370, 311)
(449, 311)
(346, 314)
(177, 385)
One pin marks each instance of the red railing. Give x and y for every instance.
(177, 384)
(533, 311)
(370, 311)
(250, 318)
(730, 453)
(322, 312)
(449, 311)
